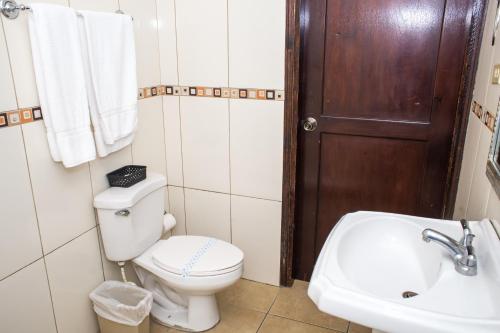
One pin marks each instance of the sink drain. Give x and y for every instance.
(409, 294)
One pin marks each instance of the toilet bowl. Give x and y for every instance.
(182, 272)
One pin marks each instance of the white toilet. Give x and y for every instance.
(182, 272)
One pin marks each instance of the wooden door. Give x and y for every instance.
(382, 80)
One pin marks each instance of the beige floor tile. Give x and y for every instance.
(274, 324)
(356, 328)
(293, 303)
(249, 295)
(233, 319)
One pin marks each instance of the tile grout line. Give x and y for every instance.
(262, 323)
(50, 293)
(476, 152)
(478, 145)
(269, 310)
(96, 221)
(21, 268)
(72, 239)
(180, 119)
(10, 63)
(38, 226)
(162, 99)
(310, 324)
(229, 127)
(232, 194)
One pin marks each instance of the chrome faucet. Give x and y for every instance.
(462, 252)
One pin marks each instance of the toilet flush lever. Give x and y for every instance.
(122, 212)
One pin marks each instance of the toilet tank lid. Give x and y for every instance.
(119, 197)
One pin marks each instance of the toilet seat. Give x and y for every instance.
(196, 256)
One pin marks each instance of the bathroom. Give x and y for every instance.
(236, 151)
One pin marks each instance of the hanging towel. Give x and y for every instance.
(61, 84)
(110, 66)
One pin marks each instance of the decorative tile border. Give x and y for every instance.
(28, 115)
(485, 116)
(20, 116)
(216, 92)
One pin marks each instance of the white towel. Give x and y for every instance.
(61, 84)
(109, 59)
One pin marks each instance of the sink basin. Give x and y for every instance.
(374, 269)
(397, 260)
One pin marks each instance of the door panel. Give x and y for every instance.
(382, 78)
(347, 168)
(393, 77)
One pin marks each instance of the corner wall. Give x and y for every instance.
(222, 155)
(476, 199)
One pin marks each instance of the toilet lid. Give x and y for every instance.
(197, 256)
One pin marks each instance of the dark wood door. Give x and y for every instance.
(382, 79)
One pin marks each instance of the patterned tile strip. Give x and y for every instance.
(20, 116)
(485, 116)
(216, 92)
(27, 115)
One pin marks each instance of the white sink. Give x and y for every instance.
(371, 259)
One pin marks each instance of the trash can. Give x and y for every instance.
(122, 307)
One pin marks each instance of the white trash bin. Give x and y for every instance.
(122, 307)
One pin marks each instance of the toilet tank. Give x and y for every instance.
(131, 219)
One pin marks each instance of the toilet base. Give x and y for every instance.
(177, 308)
(202, 314)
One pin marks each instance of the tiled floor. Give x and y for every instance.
(250, 307)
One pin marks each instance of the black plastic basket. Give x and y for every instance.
(126, 176)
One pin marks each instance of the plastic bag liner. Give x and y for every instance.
(122, 302)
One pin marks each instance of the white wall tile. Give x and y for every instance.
(74, 270)
(148, 147)
(468, 163)
(483, 74)
(205, 143)
(63, 197)
(102, 166)
(146, 40)
(257, 43)
(18, 42)
(176, 208)
(479, 193)
(7, 93)
(493, 207)
(97, 5)
(493, 90)
(202, 42)
(256, 226)
(208, 214)
(256, 148)
(19, 238)
(168, 41)
(173, 143)
(25, 304)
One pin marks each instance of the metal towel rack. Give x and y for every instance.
(10, 9)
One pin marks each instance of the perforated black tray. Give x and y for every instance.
(127, 176)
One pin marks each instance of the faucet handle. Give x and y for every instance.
(468, 235)
(465, 225)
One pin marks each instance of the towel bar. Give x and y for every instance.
(10, 9)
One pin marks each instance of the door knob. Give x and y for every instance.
(310, 124)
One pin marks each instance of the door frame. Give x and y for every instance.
(476, 20)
